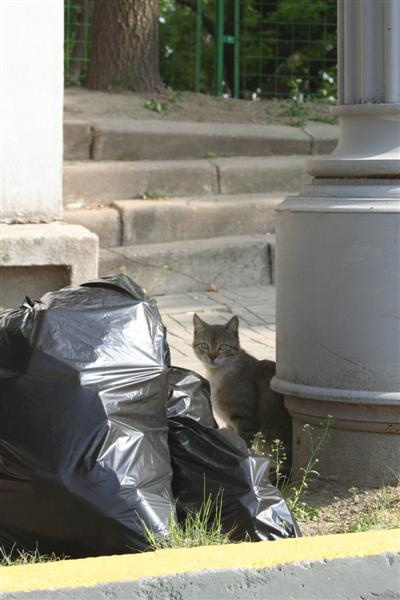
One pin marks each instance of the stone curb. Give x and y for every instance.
(331, 567)
(127, 139)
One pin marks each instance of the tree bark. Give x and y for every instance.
(124, 51)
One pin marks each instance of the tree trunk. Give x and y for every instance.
(124, 51)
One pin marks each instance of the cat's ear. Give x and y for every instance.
(233, 325)
(198, 323)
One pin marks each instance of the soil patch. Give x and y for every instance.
(189, 106)
(341, 509)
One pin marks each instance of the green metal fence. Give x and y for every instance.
(77, 36)
(245, 48)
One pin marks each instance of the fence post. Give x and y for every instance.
(219, 46)
(199, 44)
(236, 33)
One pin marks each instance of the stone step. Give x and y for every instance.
(194, 265)
(103, 182)
(124, 138)
(129, 222)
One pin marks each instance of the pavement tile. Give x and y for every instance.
(255, 307)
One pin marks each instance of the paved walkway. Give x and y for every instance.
(255, 307)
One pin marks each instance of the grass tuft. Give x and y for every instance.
(200, 528)
(23, 557)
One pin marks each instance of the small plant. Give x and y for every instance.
(258, 444)
(200, 528)
(157, 106)
(149, 195)
(300, 509)
(293, 491)
(278, 454)
(22, 557)
(376, 515)
(211, 154)
(173, 96)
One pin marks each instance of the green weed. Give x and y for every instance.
(22, 557)
(200, 528)
(376, 515)
(157, 106)
(173, 96)
(149, 195)
(293, 491)
(301, 509)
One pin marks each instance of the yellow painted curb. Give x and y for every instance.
(130, 567)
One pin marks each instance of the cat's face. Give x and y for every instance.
(216, 345)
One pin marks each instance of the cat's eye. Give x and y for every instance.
(203, 346)
(223, 347)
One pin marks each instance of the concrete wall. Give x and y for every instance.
(334, 567)
(31, 105)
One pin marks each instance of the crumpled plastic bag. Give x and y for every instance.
(87, 455)
(84, 457)
(208, 461)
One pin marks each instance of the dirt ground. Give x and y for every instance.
(189, 106)
(344, 509)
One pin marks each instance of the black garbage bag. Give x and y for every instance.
(84, 457)
(211, 462)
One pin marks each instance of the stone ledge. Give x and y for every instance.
(178, 219)
(245, 175)
(192, 265)
(103, 182)
(71, 248)
(105, 222)
(77, 139)
(126, 139)
(324, 137)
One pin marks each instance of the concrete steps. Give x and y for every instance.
(200, 224)
(203, 220)
(128, 222)
(193, 265)
(103, 182)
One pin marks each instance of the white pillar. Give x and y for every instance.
(31, 108)
(338, 264)
(37, 253)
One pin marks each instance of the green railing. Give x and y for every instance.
(245, 48)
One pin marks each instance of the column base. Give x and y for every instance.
(362, 446)
(38, 258)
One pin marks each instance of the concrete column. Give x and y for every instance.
(338, 265)
(31, 106)
(33, 257)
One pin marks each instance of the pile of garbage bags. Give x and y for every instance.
(100, 437)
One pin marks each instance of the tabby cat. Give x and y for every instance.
(240, 384)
